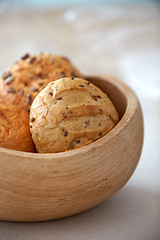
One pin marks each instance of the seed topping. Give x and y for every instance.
(62, 74)
(65, 133)
(34, 89)
(64, 115)
(87, 123)
(11, 90)
(41, 83)
(94, 97)
(25, 56)
(32, 59)
(73, 74)
(9, 79)
(6, 74)
(65, 58)
(29, 98)
(32, 119)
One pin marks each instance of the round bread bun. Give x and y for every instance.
(26, 78)
(70, 113)
(14, 129)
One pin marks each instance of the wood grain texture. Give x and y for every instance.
(37, 187)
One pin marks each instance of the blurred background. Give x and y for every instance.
(120, 38)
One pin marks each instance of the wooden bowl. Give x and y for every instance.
(37, 187)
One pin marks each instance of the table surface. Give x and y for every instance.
(119, 40)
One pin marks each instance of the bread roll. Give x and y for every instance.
(25, 79)
(14, 129)
(70, 113)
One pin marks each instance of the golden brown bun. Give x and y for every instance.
(70, 113)
(25, 79)
(14, 129)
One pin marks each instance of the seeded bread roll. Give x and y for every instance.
(70, 113)
(14, 129)
(26, 78)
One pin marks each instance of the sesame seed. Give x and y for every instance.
(50, 93)
(9, 79)
(62, 74)
(65, 58)
(95, 98)
(25, 56)
(64, 115)
(32, 59)
(87, 123)
(11, 90)
(29, 98)
(65, 133)
(28, 109)
(6, 74)
(72, 145)
(42, 75)
(34, 89)
(41, 83)
(32, 119)
(73, 74)
(36, 133)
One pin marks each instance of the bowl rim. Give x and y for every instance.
(131, 105)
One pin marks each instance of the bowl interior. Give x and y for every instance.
(114, 93)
